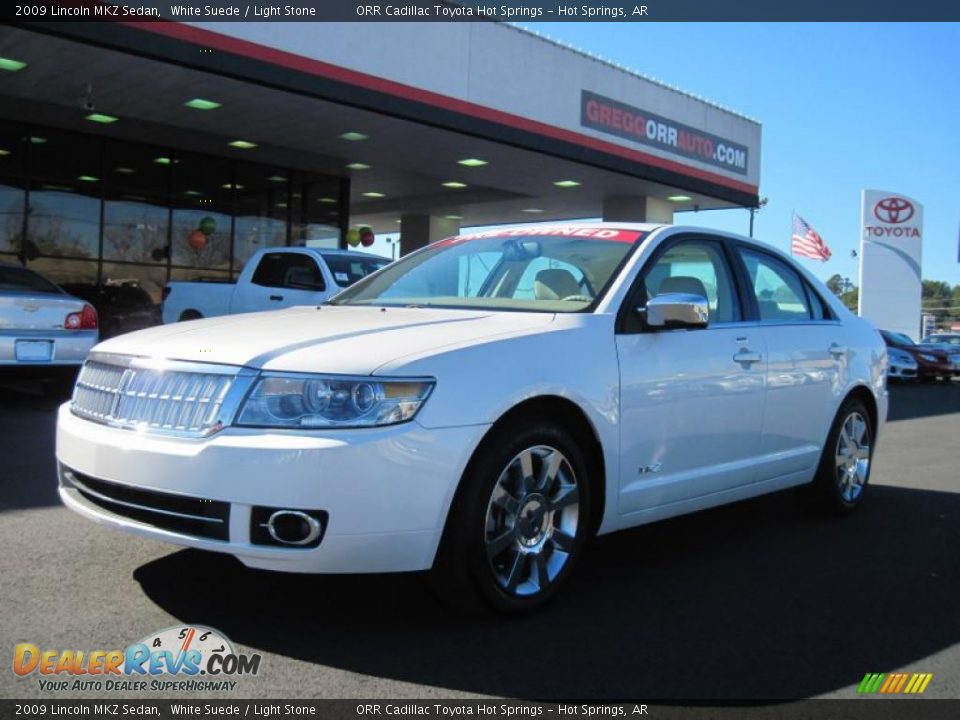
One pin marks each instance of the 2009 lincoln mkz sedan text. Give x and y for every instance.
(481, 407)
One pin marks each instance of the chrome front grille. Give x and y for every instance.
(191, 399)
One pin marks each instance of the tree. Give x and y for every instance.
(835, 284)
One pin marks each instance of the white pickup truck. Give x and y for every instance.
(273, 278)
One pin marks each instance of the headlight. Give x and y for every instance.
(929, 358)
(318, 401)
(899, 357)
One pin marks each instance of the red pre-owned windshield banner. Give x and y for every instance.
(626, 236)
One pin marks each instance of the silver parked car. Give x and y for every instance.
(901, 365)
(44, 332)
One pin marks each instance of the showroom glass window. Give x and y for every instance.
(12, 194)
(203, 198)
(263, 210)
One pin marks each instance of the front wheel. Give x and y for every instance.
(844, 470)
(518, 524)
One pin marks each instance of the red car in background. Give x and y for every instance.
(932, 362)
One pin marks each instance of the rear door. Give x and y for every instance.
(691, 400)
(806, 363)
(281, 279)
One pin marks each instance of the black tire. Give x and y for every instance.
(190, 315)
(464, 575)
(828, 493)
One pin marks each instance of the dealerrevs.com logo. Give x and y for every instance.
(893, 210)
(177, 659)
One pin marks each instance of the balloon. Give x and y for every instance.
(366, 236)
(208, 225)
(196, 239)
(353, 237)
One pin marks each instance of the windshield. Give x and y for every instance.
(942, 340)
(347, 269)
(896, 338)
(22, 280)
(540, 269)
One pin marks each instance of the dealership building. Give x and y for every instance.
(143, 152)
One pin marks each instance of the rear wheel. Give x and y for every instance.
(190, 315)
(844, 470)
(518, 523)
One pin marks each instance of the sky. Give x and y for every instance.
(843, 107)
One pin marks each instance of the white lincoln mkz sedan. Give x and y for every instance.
(482, 407)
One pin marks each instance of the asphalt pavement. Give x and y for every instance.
(756, 600)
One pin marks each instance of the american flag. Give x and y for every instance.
(806, 242)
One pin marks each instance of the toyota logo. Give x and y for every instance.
(893, 210)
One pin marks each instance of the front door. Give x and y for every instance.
(691, 400)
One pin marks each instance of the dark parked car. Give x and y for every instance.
(932, 361)
(947, 340)
(122, 308)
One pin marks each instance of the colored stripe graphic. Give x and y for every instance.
(894, 683)
(870, 682)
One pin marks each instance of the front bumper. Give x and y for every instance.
(385, 491)
(902, 372)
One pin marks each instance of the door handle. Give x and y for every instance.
(276, 297)
(746, 356)
(838, 351)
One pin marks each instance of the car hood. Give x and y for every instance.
(335, 339)
(940, 347)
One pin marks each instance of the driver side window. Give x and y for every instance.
(696, 267)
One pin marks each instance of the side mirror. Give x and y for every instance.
(676, 310)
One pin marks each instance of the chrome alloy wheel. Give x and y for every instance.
(853, 457)
(532, 520)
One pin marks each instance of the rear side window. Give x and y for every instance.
(288, 270)
(818, 308)
(780, 292)
(22, 280)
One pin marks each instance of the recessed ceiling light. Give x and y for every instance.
(532, 210)
(4, 152)
(11, 65)
(374, 194)
(296, 195)
(201, 104)
(327, 200)
(454, 184)
(242, 144)
(679, 198)
(398, 220)
(354, 136)
(566, 183)
(101, 118)
(472, 162)
(37, 140)
(358, 166)
(162, 161)
(453, 217)
(231, 186)
(88, 178)
(192, 193)
(125, 170)
(280, 205)
(277, 178)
